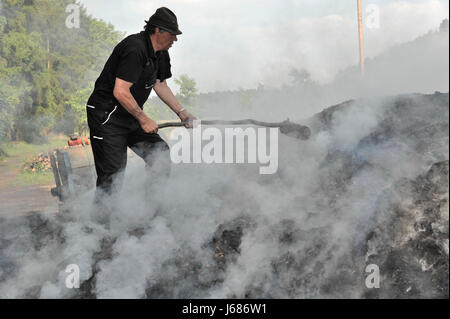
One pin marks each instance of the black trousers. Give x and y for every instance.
(111, 132)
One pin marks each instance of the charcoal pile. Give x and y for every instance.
(369, 188)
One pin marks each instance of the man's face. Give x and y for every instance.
(165, 39)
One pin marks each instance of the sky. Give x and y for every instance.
(240, 44)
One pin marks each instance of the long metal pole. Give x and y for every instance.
(361, 40)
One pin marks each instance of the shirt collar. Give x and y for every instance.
(148, 44)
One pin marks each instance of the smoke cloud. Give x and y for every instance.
(223, 231)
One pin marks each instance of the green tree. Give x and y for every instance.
(188, 92)
(47, 69)
(77, 103)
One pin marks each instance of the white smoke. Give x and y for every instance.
(232, 44)
(153, 237)
(299, 226)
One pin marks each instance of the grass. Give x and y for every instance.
(18, 153)
(22, 148)
(29, 178)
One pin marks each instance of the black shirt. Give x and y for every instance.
(132, 60)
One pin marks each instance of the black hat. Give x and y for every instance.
(166, 20)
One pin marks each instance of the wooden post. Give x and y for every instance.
(361, 40)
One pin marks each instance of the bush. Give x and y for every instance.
(3, 154)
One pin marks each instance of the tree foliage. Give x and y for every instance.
(47, 69)
(187, 96)
(188, 91)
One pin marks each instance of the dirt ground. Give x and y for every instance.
(19, 200)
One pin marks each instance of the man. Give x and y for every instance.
(115, 114)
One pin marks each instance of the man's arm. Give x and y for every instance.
(123, 95)
(165, 94)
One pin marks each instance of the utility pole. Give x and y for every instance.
(361, 40)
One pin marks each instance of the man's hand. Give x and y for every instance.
(185, 116)
(123, 95)
(165, 94)
(147, 124)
